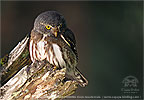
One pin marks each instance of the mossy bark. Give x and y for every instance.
(22, 79)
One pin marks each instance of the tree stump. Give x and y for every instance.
(24, 80)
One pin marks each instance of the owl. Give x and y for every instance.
(52, 40)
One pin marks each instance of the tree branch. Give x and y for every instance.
(36, 80)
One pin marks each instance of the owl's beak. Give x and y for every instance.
(55, 31)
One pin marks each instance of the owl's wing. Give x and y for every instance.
(15, 60)
(69, 38)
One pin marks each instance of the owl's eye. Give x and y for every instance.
(48, 27)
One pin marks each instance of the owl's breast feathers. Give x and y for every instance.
(55, 50)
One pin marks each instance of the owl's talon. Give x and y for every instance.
(54, 68)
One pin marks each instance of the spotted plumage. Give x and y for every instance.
(53, 41)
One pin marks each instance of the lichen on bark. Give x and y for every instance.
(23, 79)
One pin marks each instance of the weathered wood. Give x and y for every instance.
(27, 80)
(17, 59)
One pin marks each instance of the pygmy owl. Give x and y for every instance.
(53, 41)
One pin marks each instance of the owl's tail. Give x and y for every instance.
(80, 78)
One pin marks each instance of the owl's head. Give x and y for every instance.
(50, 23)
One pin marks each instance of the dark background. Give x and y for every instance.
(108, 34)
